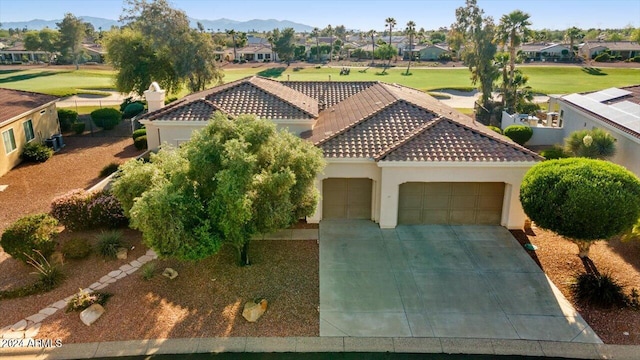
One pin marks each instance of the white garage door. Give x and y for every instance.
(450, 203)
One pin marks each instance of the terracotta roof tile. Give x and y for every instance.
(16, 102)
(329, 92)
(447, 140)
(197, 110)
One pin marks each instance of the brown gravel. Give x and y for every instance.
(207, 298)
(559, 260)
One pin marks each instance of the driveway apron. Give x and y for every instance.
(437, 281)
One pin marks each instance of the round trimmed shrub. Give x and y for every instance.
(554, 152)
(581, 199)
(66, 118)
(603, 57)
(36, 152)
(132, 110)
(78, 127)
(29, 234)
(140, 132)
(495, 128)
(76, 248)
(140, 142)
(518, 133)
(106, 118)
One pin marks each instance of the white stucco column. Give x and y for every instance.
(389, 193)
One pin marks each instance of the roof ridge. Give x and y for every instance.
(31, 92)
(417, 131)
(279, 97)
(352, 125)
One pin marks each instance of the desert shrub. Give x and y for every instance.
(109, 169)
(148, 270)
(83, 299)
(140, 132)
(29, 234)
(603, 57)
(593, 144)
(600, 290)
(80, 209)
(36, 152)
(140, 142)
(109, 242)
(132, 110)
(518, 133)
(445, 57)
(554, 152)
(66, 118)
(76, 248)
(49, 275)
(106, 118)
(78, 127)
(495, 128)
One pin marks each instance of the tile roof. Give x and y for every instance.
(446, 140)
(329, 92)
(197, 110)
(16, 102)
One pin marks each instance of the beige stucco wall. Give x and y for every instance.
(173, 133)
(627, 146)
(44, 125)
(395, 174)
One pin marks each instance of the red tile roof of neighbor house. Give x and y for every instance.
(14, 103)
(360, 120)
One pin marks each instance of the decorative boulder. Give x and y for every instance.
(121, 253)
(89, 315)
(170, 273)
(253, 311)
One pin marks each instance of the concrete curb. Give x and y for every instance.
(326, 344)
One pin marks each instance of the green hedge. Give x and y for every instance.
(66, 118)
(106, 118)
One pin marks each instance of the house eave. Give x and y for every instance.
(27, 113)
(459, 164)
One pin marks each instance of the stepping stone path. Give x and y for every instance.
(28, 327)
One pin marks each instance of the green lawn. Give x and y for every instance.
(56, 82)
(543, 79)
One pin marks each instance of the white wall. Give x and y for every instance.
(173, 133)
(395, 174)
(541, 135)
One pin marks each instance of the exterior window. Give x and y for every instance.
(260, 56)
(267, 56)
(9, 141)
(28, 130)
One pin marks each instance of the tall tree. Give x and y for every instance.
(411, 32)
(232, 33)
(46, 40)
(72, 32)
(478, 33)
(372, 34)
(199, 68)
(573, 34)
(512, 32)
(316, 33)
(217, 188)
(390, 23)
(284, 44)
(329, 31)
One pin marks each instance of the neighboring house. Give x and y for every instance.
(614, 110)
(545, 52)
(17, 54)
(95, 51)
(395, 155)
(432, 52)
(624, 49)
(256, 53)
(24, 117)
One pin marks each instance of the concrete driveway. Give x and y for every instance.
(437, 281)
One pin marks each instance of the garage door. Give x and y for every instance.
(450, 203)
(344, 198)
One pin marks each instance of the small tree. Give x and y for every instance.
(593, 144)
(583, 200)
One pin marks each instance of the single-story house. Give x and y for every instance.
(624, 49)
(545, 52)
(25, 117)
(95, 51)
(395, 155)
(432, 52)
(18, 54)
(256, 53)
(615, 110)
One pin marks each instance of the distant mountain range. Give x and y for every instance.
(210, 25)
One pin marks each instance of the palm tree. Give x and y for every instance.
(372, 34)
(389, 22)
(512, 31)
(316, 33)
(573, 34)
(329, 30)
(233, 37)
(411, 31)
(501, 61)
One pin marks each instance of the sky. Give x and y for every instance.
(354, 14)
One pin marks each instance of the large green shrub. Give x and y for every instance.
(106, 118)
(29, 234)
(581, 199)
(66, 118)
(132, 110)
(36, 152)
(518, 133)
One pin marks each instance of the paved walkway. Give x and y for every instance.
(438, 281)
